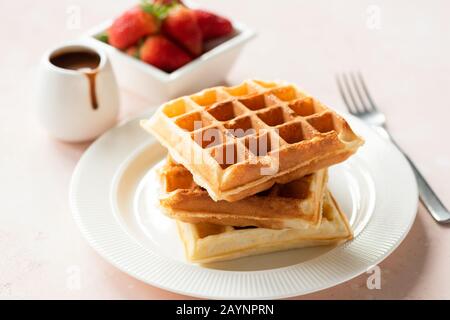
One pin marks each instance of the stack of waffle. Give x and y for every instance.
(247, 169)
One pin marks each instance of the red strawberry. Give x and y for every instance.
(162, 53)
(212, 25)
(181, 25)
(133, 51)
(132, 25)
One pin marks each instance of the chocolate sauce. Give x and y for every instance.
(83, 61)
(77, 60)
(92, 89)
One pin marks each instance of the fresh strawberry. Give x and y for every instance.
(212, 25)
(163, 53)
(132, 25)
(133, 51)
(181, 25)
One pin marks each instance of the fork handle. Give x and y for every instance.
(428, 197)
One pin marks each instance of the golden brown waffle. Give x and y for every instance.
(238, 141)
(296, 204)
(206, 243)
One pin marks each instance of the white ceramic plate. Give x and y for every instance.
(113, 199)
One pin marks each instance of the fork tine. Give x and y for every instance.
(343, 95)
(362, 103)
(350, 94)
(366, 91)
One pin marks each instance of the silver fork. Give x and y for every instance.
(359, 103)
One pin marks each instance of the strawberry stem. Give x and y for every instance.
(159, 11)
(103, 37)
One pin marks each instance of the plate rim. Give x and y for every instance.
(94, 241)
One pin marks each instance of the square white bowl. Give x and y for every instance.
(208, 70)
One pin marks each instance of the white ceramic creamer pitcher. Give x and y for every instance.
(77, 97)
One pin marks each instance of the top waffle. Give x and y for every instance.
(238, 141)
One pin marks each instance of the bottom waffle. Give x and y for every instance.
(205, 243)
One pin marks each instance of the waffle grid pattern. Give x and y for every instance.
(238, 141)
(252, 120)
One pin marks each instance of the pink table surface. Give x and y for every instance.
(406, 64)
